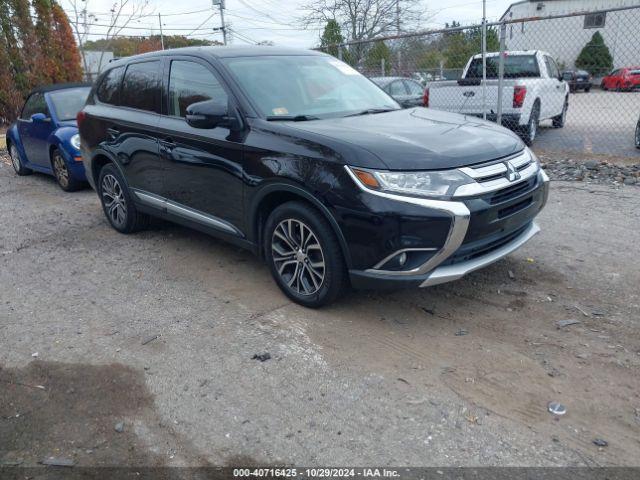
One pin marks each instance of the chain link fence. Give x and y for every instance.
(566, 83)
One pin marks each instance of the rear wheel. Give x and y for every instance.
(304, 255)
(638, 134)
(16, 161)
(117, 202)
(62, 174)
(587, 90)
(530, 132)
(558, 122)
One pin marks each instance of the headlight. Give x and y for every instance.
(533, 156)
(75, 141)
(423, 184)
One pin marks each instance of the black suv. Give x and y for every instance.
(297, 157)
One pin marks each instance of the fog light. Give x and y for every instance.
(402, 259)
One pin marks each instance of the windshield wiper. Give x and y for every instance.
(291, 118)
(370, 111)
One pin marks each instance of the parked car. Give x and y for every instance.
(533, 90)
(406, 91)
(300, 159)
(638, 134)
(45, 137)
(622, 79)
(577, 80)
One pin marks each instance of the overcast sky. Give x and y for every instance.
(251, 21)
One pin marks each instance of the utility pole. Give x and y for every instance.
(161, 35)
(220, 4)
(398, 32)
(484, 59)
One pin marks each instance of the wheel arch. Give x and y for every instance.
(276, 194)
(99, 159)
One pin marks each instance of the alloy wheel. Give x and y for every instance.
(113, 199)
(298, 256)
(60, 170)
(15, 158)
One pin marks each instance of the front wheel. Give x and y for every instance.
(117, 202)
(61, 172)
(559, 121)
(530, 132)
(16, 161)
(638, 135)
(304, 255)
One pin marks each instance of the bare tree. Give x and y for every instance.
(365, 19)
(362, 20)
(121, 14)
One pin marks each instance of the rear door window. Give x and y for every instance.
(397, 88)
(109, 89)
(515, 66)
(413, 88)
(552, 69)
(141, 86)
(191, 82)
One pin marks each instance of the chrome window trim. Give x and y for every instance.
(458, 212)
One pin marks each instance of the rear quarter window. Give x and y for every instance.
(109, 89)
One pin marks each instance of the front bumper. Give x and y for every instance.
(483, 228)
(443, 274)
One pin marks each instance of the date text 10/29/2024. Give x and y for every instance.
(315, 473)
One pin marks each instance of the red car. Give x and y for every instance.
(622, 79)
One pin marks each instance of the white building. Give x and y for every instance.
(564, 38)
(95, 61)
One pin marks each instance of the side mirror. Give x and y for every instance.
(39, 117)
(207, 114)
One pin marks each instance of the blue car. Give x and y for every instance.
(45, 137)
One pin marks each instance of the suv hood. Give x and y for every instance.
(419, 138)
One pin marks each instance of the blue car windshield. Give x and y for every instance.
(68, 102)
(306, 85)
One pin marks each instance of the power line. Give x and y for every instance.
(200, 26)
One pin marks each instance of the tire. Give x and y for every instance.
(304, 255)
(117, 202)
(16, 161)
(61, 172)
(559, 121)
(587, 90)
(638, 135)
(530, 132)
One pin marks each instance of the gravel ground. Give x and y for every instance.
(138, 350)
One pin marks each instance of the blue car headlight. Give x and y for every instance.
(75, 141)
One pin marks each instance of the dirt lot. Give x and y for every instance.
(459, 374)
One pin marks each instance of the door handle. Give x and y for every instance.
(168, 143)
(113, 132)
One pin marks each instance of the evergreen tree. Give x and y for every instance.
(47, 68)
(595, 57)
(65, 48)
(331, 37)
(378, 52)
(10, 98)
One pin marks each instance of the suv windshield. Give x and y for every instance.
(515, 66)
(68, 102)
(306, 87)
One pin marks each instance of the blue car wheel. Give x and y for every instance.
(16, 161)
(62, 174)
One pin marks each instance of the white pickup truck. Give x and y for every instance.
(533, 90)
